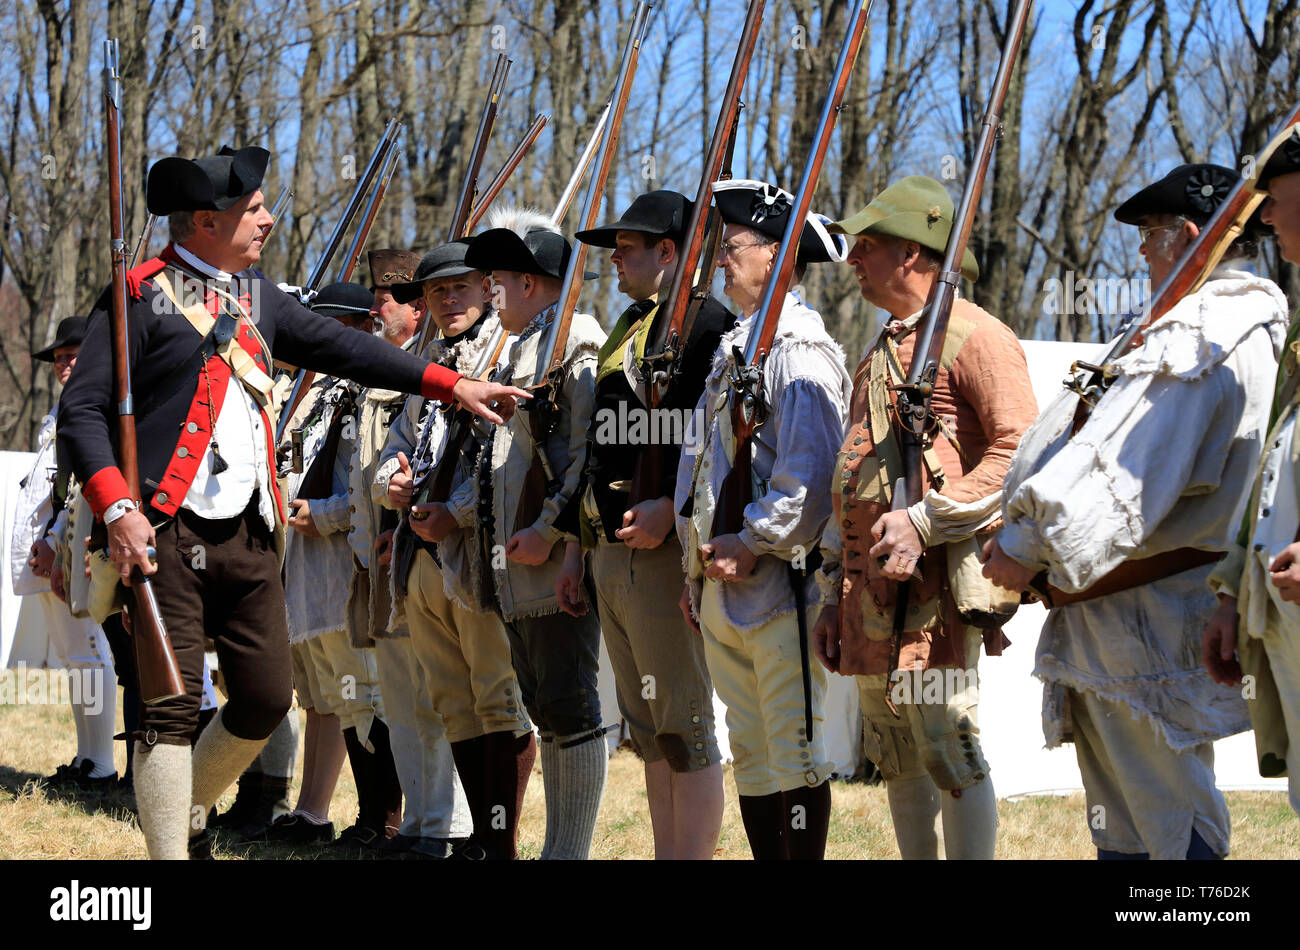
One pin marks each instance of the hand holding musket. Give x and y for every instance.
(131, 536)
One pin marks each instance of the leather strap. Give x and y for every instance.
(1128, 575)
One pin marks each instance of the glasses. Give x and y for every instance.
(1145, 232)
(729, 248)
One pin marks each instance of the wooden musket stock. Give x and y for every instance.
(159, 675)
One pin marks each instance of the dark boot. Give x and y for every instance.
(806, 818)
(379, 796)
(272, 802)
(507, 766)
(388, 790)
(469, 756)
(247, 796)
(764, 817)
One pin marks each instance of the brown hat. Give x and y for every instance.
(391, 266)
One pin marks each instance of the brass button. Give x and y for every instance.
(695, 719)
(192, 427)
(182, 452)
(699, 746)
(161, 497)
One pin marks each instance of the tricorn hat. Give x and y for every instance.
(445, 260)
(766, 209)
(205, 184)
(70, 332)
(1192, 191)
(662, 213)
(538, 252)
(389, 266)
(342, 299)
(916, 208)
(1280, 157)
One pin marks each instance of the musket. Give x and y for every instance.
(912, 397)
(747, 400)
(1188, 274)
(551, 350)
(389, 139)
(438, 483)
(511, 164)
(675, 317)
(142, 242)
(280, 208)
(469, 190)
(159, 674)
(548, 376)
(387, 145)
(368, 219)
(584, 162)
(469, 186)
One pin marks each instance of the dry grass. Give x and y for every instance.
(38, 823)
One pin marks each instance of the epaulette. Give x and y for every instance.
(140, 273)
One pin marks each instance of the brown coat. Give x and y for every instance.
(982, 396)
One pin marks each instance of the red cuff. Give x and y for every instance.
(105, 487)
(438, 382)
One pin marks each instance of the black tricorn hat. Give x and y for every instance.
(205, 184)
(766, 209)
(663, 213)
(343, 299)
(1192, 191)
(445, 260)
(71, 331)
(502, 249)
(1280, 157)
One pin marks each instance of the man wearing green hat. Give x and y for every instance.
(1256, 629)
(928, 749)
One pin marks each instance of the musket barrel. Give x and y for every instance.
(372, 209)
(964, 218)
(584, 162)
(354, 203)
(551, 349)
(783, 266)
(465, 203)
(671, 318)
(512, 163)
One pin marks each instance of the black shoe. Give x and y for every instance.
(431, 849)
(358, 838)
(298, 829)
(469, 850)
(397, 846)
(78, 776)
(201, 846)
